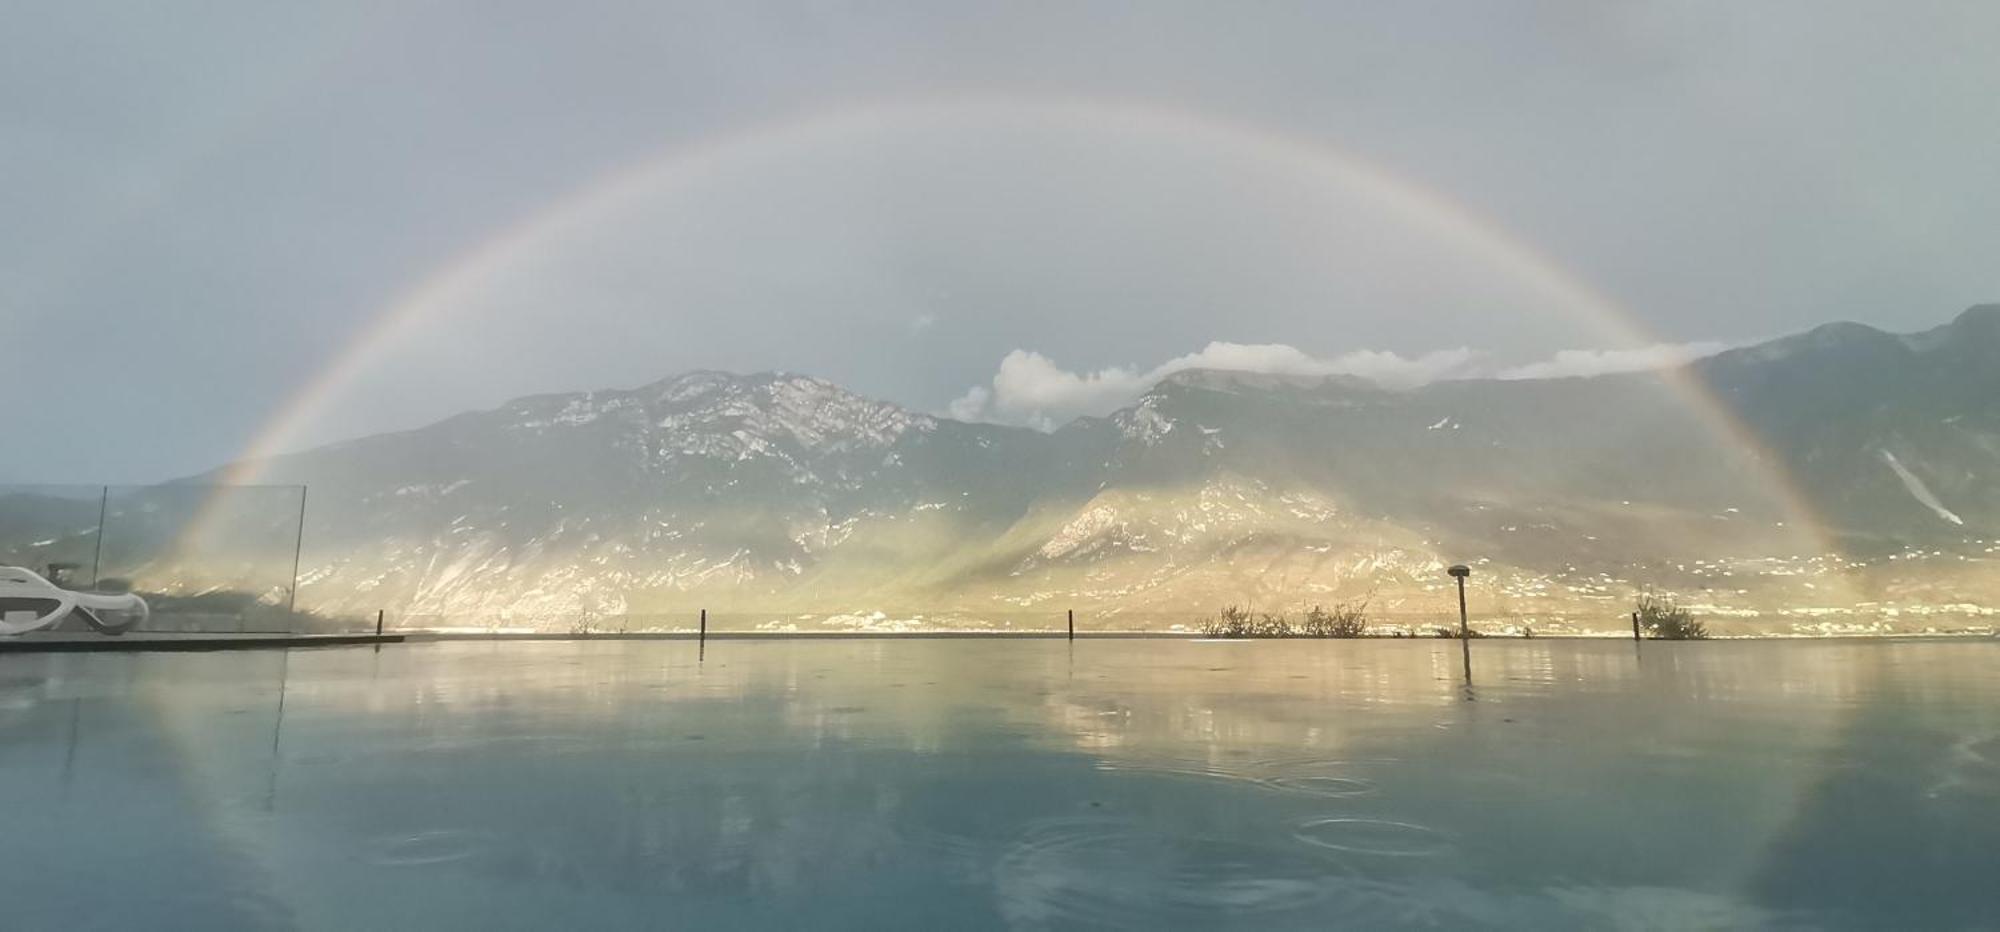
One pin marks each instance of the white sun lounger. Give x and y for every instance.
(30, 603)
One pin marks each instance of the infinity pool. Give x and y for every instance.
(964, 784)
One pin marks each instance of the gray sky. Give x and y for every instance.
(201, 205)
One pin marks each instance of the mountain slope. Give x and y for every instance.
(781, 494)
(1894, 437)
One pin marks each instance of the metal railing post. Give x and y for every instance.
(1459, 573)
(298, 544)
(97, 562)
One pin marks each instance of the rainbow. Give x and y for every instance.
(1313, 161)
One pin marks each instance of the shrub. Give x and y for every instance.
(1271, 626)
(1237, 622)
(1344, 620)
(1234, 622)
(1666, 619)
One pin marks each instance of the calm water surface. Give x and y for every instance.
(1005, 784)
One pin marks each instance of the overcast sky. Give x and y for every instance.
(1015, 211)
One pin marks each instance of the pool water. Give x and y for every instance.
(967, 784)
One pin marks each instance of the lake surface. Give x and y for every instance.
(966, 784)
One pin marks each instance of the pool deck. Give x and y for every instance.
(795, 635)
(73, 643)
(67, 642)
(83, 641)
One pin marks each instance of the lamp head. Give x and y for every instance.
(1461, 571)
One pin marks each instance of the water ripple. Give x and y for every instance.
(433, 847)
(1309, 776)
(1373, 836)
(1115, 872)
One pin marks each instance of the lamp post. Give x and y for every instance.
(1459, 572)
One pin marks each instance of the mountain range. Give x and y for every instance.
(1843, 473)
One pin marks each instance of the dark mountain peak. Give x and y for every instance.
(691, 382)
(1840, 333)
(1978, 322)
(1978, 315)
(698, 383)
(1824, 344)
(1975, 327)
(806, 410)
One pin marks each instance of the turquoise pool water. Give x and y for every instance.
(966, 784)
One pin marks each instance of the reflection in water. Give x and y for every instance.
(1025, 784)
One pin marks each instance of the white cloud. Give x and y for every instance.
(1581, 362)
(971, 406)
(1391, 370)
(1031, 389)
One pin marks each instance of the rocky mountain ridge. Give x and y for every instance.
(780, 493)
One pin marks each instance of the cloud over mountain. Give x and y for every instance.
(1031, 389)
(1582, 362)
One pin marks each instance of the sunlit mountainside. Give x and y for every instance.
(1873, 487)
